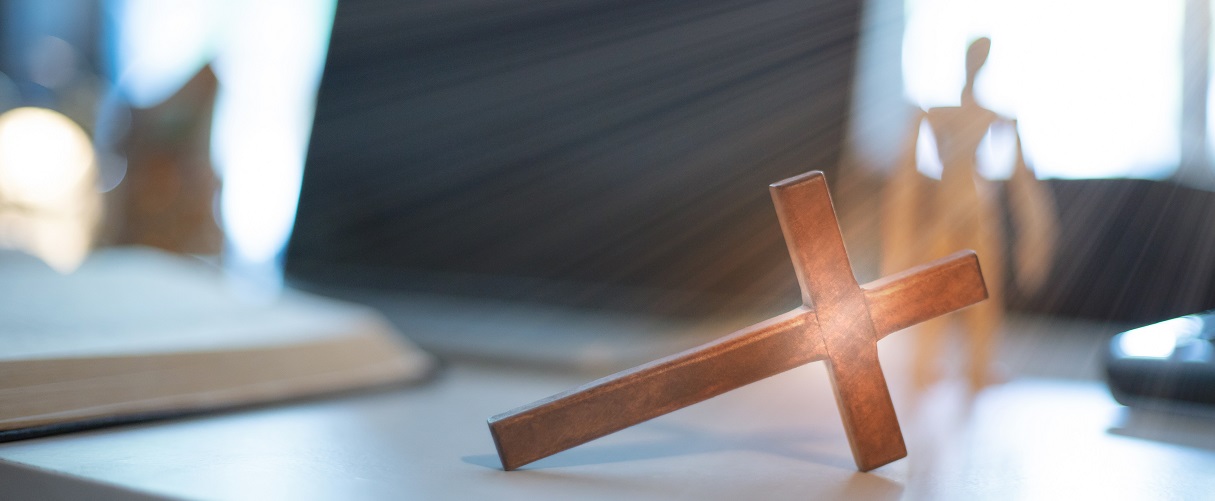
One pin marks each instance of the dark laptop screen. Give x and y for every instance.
(602, 152)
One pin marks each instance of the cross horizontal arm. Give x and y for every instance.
(630, 397)
(923, 292)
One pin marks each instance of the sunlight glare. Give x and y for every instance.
(49, 204)
(44, 156)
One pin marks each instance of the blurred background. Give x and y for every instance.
(532, 185)
(126, 118)
(598, 154)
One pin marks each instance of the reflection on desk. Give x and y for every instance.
(781, 438)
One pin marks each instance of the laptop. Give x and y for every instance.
(567, 181)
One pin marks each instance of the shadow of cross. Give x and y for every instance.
(840, 322)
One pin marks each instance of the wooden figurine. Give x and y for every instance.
(167, 197)
(962, 211)
(840, 322)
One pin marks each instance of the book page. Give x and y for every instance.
(136, 301)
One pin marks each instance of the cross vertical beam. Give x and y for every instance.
(816, 245)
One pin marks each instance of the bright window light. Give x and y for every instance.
(44, 157)
(1094, 84)
(48, 203)
(268, 56)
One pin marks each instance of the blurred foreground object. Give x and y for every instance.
(839, 321)
(166, 196)
(924, 220)
(49, 204)
(136, 333)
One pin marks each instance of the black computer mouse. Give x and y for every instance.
(1165, 364)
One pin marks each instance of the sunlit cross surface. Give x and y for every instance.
(840, 322)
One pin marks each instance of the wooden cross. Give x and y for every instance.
(840, 322)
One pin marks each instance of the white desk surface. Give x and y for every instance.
(781, 438)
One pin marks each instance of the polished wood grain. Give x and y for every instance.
(840, 322)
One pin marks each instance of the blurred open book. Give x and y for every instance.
(137, 333)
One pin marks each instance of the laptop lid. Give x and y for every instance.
(591, 153)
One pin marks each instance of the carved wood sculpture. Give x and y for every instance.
(961, 211)
(840, 322)
(166, 198)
